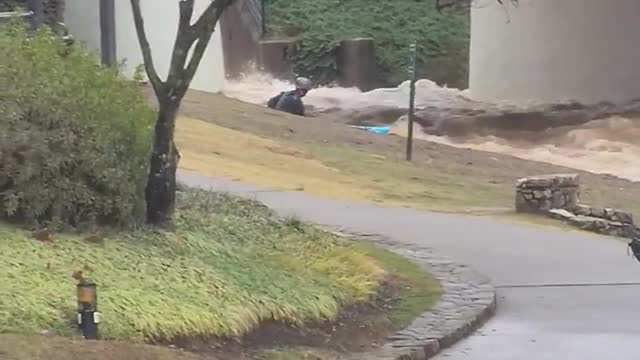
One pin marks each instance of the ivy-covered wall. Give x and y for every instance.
(443, 39)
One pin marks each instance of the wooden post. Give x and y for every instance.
(412, 99)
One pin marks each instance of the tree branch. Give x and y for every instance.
(155, 80)
(184, 41)
(210, 15)
(203, 29)
(186, 12)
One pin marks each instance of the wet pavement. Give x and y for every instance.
(561, 295)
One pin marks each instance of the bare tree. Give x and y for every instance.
(161, 185)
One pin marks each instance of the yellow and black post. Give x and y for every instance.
(88, 315)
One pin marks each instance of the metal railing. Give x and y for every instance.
(15, 14)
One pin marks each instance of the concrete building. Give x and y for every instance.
(537, 51)
(550, 50)
(83, 18)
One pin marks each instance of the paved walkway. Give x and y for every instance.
(561, 296)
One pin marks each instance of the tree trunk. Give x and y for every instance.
(161, 184)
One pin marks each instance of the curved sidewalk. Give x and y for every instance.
(560, 296)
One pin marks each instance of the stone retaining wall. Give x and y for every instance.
(606, 213)
(558, 196)
(542, 193)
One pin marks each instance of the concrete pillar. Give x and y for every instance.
(239, 43)
(273, 57)
(356, 63)
(550, 50)
(83, 20)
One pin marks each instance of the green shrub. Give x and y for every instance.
(443, 39)
(75, 136)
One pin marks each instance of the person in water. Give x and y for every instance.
(291, 101)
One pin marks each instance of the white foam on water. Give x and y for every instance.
(257, 88)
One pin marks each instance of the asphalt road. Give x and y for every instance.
(560, 296)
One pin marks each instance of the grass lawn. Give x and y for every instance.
(14, 347)
(331, 170)
(229, 265)
(322, 156)
(416, 293)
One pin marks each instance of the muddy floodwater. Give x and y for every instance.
(576, 136)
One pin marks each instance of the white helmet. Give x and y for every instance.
(303, 83)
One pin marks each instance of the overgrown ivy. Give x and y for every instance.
(443, 39)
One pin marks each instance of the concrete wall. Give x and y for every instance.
(550, 50)
(161, 22)
(239, 40)
(83, 19)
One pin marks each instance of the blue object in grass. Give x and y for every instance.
(383, 130)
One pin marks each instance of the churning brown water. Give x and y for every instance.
(608, 145)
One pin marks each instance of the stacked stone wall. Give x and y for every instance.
(542, 193)
(558, 196)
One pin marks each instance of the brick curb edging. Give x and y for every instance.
(468, 301)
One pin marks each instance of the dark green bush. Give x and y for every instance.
(443, 39)
(75, 136)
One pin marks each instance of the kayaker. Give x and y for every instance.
(291, 101)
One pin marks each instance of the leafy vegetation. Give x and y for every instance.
(442, 38)
(417, 291)
(75, 141)
(230, 264)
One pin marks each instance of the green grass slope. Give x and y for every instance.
(229, 264)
